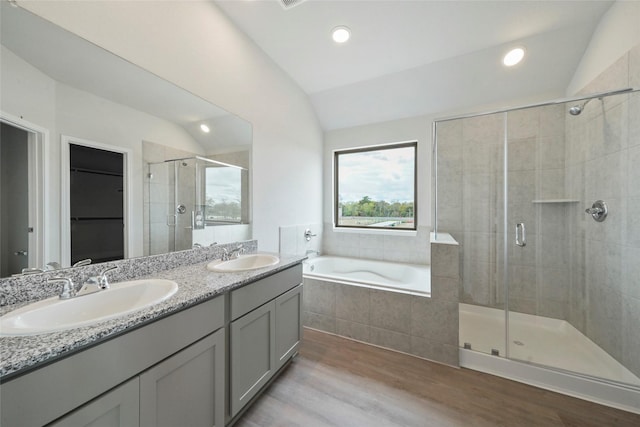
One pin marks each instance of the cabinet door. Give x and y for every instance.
(288, 324)
(253, 356)
(117, 408)
(187, 389)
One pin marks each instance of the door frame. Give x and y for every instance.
(65, 199)
(39, 188)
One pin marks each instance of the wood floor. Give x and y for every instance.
(338, 382)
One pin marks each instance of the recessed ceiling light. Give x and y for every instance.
(513, 57)
(340, 34)
(204, 128)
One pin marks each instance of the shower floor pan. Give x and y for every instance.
(539, 340)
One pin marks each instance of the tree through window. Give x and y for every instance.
(375, 187)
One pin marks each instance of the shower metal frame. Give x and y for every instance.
(505, 111)
(434, 133)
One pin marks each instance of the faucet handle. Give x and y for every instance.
(104, 281)
(68, 288)
(82, 263)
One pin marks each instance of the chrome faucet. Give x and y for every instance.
(70, 290)
(100, 280)
(68, 287)
(232, 254)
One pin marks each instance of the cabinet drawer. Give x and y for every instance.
(117, 408)
(252, 296)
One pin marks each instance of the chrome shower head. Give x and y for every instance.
(577, 109)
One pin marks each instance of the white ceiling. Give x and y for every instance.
(408, 58)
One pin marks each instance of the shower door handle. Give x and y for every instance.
(521, 235)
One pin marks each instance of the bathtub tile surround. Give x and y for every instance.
(293, 241)
(353, 304)
(27, 288)
(413, 249)
(426, 327)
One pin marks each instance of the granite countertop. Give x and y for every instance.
(196, 284)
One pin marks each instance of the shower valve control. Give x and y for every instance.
(308, 235)
(598, 210)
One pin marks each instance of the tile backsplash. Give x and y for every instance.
(411, 249)
(294, 242)
(19, 289)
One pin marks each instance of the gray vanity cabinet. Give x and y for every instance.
(119, 407)
(253, 356)
(288, 325)
(186, 389)
(265, 332)
(84, 388)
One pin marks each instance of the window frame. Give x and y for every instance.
(371, 148)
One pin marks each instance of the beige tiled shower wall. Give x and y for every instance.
(422, 326)
(603, 162)
(471, 206)
(572, 267)
(158, 198)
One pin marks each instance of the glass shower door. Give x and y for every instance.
(470, 189)
(537, 238)
(572, 298)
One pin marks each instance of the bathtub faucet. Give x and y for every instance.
(312, 252)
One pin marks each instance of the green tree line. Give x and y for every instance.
(372, 208)
(225, 209)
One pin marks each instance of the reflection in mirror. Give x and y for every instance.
(55, 84)
(190, 198)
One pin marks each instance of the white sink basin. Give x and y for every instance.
(243, 263)
(54, 314)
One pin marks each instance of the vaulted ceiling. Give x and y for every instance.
(409, 58)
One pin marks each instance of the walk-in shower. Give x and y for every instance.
(188, 197)
(544, 202)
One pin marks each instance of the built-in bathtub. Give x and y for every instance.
(386, 304)
(386, 276)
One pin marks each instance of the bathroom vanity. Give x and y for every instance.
(198, 361)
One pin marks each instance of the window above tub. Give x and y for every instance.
(375, 187)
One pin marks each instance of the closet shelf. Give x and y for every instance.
(540, 201)
(96, 218)
(97, 172)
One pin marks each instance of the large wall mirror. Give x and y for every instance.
(101, 159)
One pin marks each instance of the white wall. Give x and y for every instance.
(194, 45)
(30, 94)
(617, 32)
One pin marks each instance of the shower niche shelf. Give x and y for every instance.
(550, 201)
